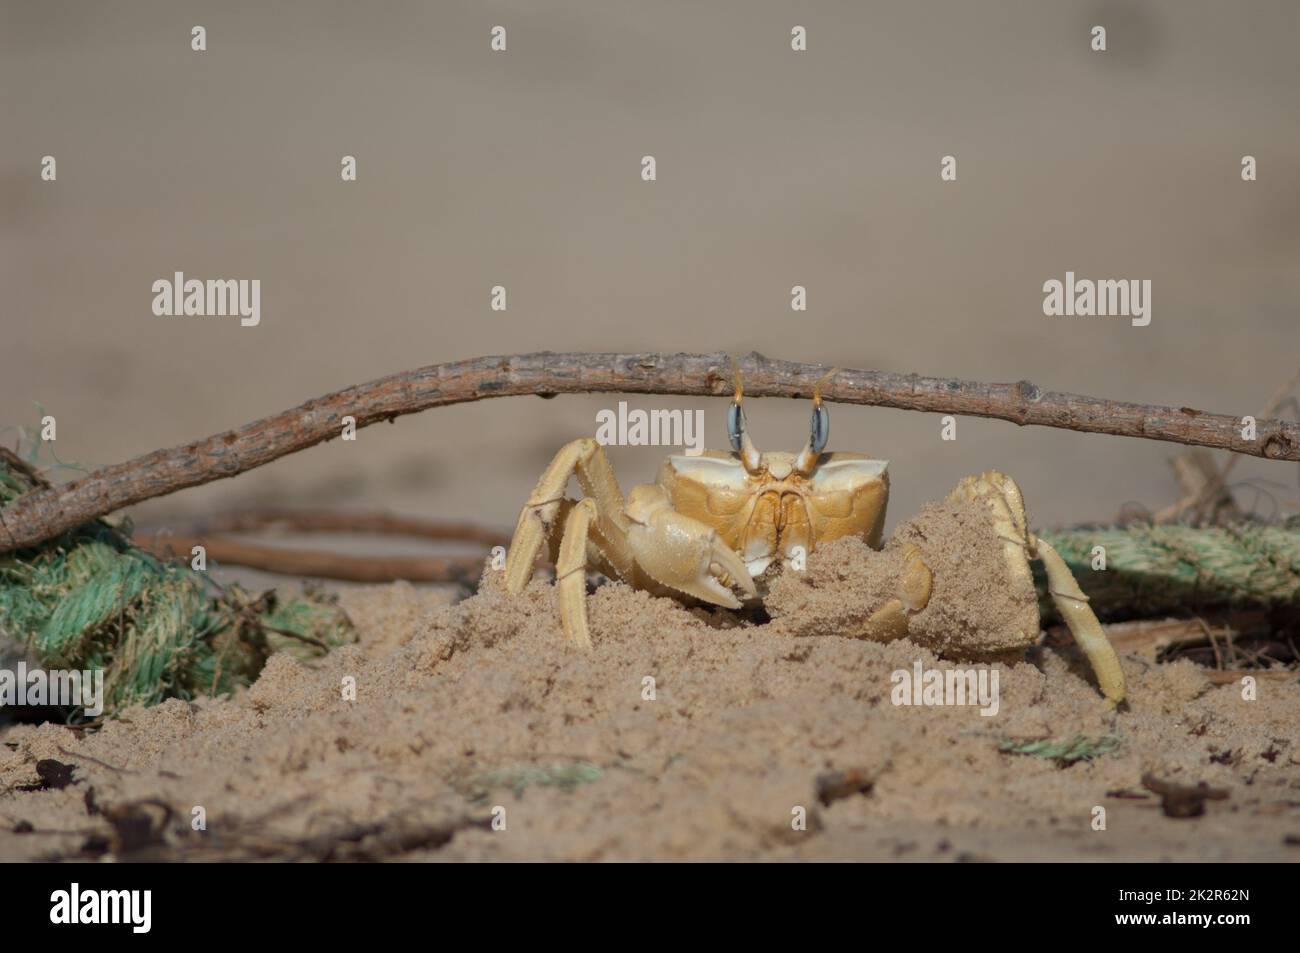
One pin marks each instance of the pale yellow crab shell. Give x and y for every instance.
(766, 515)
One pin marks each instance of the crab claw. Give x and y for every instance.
(683, 553)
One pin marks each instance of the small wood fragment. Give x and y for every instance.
(1181, 800)
(837, 785)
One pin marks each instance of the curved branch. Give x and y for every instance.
(45, 513)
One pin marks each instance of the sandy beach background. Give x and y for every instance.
(522, 169)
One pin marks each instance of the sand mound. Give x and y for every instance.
(463, 709)
(976, 610)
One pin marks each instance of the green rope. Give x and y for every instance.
(158, 630)
(1152, 570)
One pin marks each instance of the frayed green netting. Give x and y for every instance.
(1078, 748)
(158, 630)
(565, 775)
(1151, 570)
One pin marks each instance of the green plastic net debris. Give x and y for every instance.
(565, 775)
(1154, 570)
(1066, 752)
(90, 600)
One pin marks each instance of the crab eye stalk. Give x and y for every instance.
(736, 432)
(740, 442)
(819, 429)
(735, 426)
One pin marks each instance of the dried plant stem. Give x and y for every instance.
(364, 522)
(45, 513)
(317, 563)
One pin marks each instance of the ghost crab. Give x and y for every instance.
(712, 524)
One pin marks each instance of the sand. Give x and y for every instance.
(976, 611)
(478, 710)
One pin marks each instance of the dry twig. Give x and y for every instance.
(331, 521)
(43, 514)
(314, 562)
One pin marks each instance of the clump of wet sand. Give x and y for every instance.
(683, 734)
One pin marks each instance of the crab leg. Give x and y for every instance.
(585, 458)
(1002, 495)
(571, 573)
(1072, 603)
